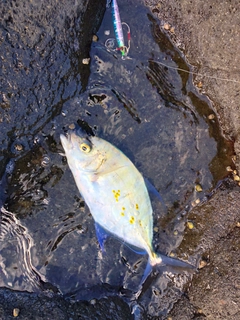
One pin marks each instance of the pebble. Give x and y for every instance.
(198, 188)
(86, 60)
(229, 169)
(71, 126)
(190, 225)
(16, 312)
(95, 38)
(166, 26)
(199, 84)
(18, 147)
(202, 264)
(211, 116)
(194, 203)
(236, 177)
(197, 201)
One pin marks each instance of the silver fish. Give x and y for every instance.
(115, 193)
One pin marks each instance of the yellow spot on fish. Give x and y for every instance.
(140, 223)
(122, 214)
(116, 194)
(123, 208)
(137, 207)
(131, 220)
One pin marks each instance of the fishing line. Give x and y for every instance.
(110, 44)
(194, 73)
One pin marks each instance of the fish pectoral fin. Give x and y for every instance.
(102, 235)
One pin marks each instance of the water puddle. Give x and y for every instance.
(158, 118)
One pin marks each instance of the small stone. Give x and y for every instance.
(236, 177)
(193, 203)
(107, 32)
(197, 201)
(172, 30)
(190, 225)
(172, 254)
(175, 232)
(211, 116)
(86, 60)
(229, 169)
(238, 224)
(18, 147)
(71, 126)
(95, 38)
(234, 171)
(198, 188)
(93, 301)
(166, 26)
(16, 312)
(202, 264)
(199, 84)
(155, 229)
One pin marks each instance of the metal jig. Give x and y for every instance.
(117, 24)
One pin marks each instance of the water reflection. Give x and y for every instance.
(16, 245)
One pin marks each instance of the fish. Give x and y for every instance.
(116, 194)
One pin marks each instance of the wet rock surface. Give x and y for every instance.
(33, 306)
(208, 35)
(214, 291)
(42, 48)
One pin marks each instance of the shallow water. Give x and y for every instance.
(156, 116)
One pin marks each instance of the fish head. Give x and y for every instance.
(82, 151)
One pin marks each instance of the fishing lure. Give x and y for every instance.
(117, 24)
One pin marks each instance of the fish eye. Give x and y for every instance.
(85, 147)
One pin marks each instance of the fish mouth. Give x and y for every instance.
(74, 133)
(66, 142)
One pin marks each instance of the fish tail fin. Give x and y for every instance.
(161, 261)
(156, 261)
